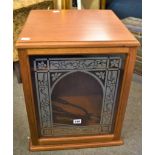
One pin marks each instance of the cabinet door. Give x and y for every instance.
(76, 95)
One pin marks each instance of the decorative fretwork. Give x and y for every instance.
(77, 64)
(48, 71)
(110, 92)
(43, 99)
(112, 77)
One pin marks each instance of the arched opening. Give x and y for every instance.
(77, 99)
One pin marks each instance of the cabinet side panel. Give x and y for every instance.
(27, 87)
(126, 83)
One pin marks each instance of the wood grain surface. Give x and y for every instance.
(67, 27)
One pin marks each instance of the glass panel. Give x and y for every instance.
(76, 95)
(79, 96)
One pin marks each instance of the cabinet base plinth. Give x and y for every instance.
(73, 146)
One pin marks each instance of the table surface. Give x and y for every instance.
(74, 26)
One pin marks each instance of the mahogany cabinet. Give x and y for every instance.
(76, 70)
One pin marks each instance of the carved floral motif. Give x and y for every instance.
(41, 65)
(55, 76)
(101, 75)
(114, 63)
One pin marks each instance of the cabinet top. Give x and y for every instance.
(71, 28)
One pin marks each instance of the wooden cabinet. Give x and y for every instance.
(76, 70)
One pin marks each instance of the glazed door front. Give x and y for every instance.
(76, 95)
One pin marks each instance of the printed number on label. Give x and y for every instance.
(77, 121)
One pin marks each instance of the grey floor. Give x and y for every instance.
(131, 128)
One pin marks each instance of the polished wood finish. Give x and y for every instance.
(74, 28)
(129, 67)
(76, 44)
(74, 51)
(74, 145)
(83, 139)
(27, 87)
(110, 37)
